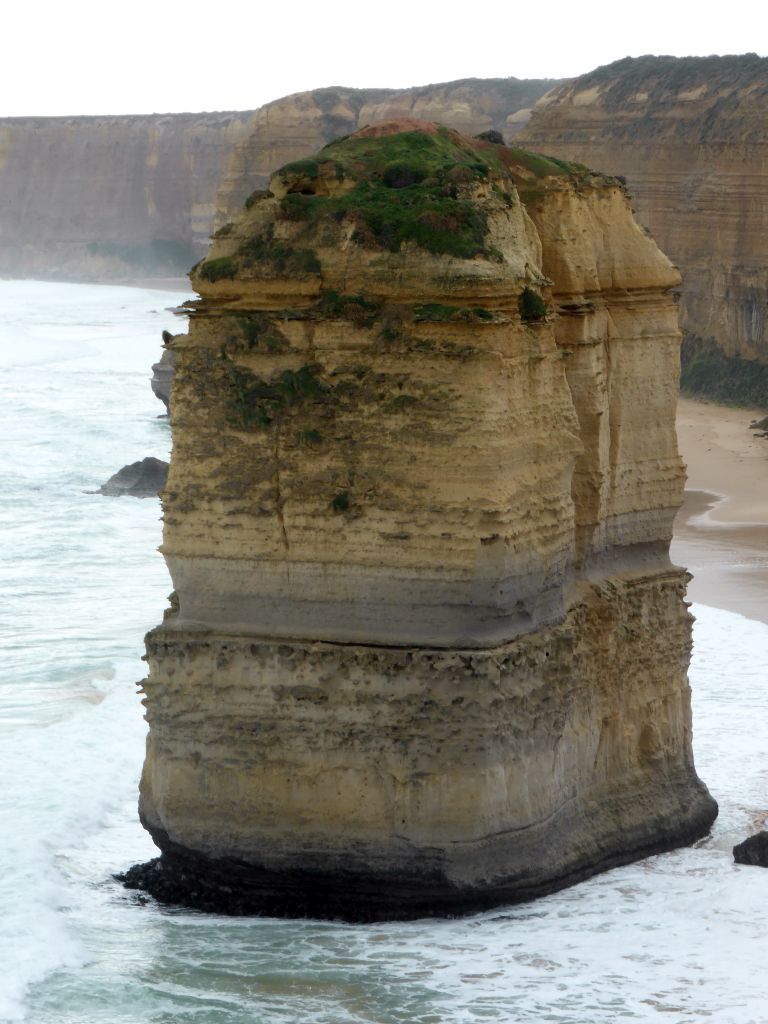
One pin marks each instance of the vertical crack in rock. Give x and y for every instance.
(279, 498)
(463, 681)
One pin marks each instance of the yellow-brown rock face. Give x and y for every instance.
(691, 137)
(429, 652)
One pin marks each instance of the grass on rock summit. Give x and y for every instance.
(414, 186)
(409, 188)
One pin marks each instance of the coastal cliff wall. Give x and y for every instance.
(427, 651)
(105, 197)
(691, 137)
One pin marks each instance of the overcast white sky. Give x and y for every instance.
(144, 56)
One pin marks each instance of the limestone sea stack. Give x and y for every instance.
(427, 651)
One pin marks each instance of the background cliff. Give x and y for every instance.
(691, 137)
(100, 197)
(85, 198)
(126, 197)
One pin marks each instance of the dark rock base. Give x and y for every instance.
(753, 850)
(184, 878)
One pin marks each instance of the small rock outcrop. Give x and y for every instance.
(753, 850)
(429, 653)
(144, 479)
(162, 374)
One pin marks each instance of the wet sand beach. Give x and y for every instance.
(721, 532)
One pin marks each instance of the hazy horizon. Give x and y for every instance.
(84, 59)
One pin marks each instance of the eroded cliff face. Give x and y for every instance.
(691, 137)
(428, 652)
(103, 197)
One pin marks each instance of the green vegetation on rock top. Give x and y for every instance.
(663, 77)
(442, 155)
(408, 187)
(415, 186)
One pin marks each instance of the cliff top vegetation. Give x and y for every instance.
(411, 181)
(402, 182)
(664, 77)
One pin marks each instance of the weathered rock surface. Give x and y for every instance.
(753, 850)
(691, 137)
(429, 652)
(104, 197)
(144, 479)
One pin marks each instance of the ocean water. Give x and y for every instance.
(677, 938)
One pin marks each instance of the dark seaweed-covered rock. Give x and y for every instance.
(143, 479)
(753, 850)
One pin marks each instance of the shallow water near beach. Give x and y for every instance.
(677, 938)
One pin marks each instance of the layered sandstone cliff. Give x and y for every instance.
(100, 197)
(427, 651)
(691, 137)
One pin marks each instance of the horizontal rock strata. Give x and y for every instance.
(690, 136)
(111, 197)
(427, 651)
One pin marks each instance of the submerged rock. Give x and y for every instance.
(143, 479)
(429, 652)
(753, 850)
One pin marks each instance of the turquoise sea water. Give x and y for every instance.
(678, 938)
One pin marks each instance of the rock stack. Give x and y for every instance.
(427, 651)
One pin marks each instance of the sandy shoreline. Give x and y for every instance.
(721, 532)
